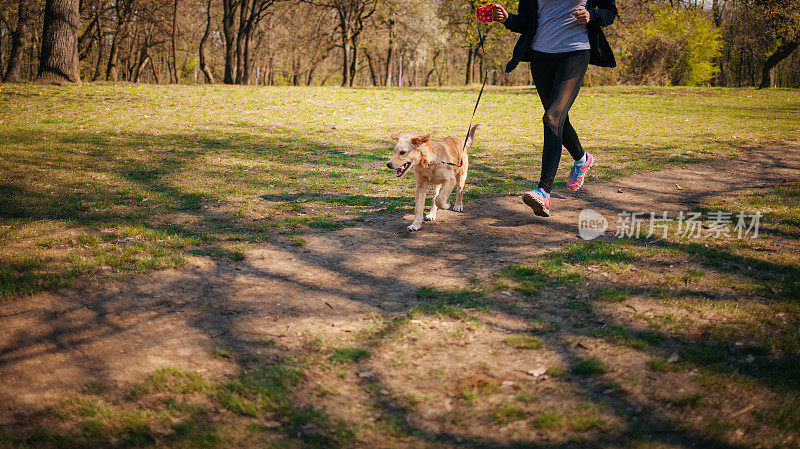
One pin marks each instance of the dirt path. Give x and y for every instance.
(122, 331)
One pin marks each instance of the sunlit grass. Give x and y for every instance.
(127, 178)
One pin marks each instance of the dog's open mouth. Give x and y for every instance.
(403, 169)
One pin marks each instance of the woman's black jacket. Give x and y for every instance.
(601, 14)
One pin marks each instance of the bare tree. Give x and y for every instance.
(351, 15)
(250, 14)
(19, 40)
(123, 10)
(202, 48)
(228, 19)
(173, 38)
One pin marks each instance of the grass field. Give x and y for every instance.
(116, 179)
(648, 343)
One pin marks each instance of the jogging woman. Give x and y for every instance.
(560, 38)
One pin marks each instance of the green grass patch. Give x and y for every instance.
(589, 367)
(690, 400)
(626, 337)
(218, 253)
(586, 423)
(548, 420)
(556, 371)
(349, 355)
(426, 292)
(612, 294)
(451, 303)
(507, 413)
(170, 380)
(223, 353)
(523, 342)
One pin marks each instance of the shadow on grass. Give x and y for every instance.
(263, 388)
(720, 359)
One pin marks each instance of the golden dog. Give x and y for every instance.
(430, 161)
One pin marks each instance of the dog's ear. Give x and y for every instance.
(419, 140)
(395, 136)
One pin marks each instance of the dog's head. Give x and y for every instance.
(408, 152)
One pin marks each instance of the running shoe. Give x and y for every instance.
(539, 201)
(578, 173)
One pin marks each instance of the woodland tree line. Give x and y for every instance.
(379, 42)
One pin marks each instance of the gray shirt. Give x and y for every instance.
(558, 30)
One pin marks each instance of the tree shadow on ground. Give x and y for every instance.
(212, 306)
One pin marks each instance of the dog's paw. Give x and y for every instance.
(430, 217)
(413, 227)
(458, 207)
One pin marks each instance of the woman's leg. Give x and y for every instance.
(564, 83)
(571, 142)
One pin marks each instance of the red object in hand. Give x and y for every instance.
(485, 14)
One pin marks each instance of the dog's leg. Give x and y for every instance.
(432, 214)
(461, 179)
(444, 194)
(419, 207)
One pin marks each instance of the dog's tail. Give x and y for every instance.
(471, 137)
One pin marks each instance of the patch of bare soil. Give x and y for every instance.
(120, 332)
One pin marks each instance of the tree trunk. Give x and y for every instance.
(130, 64)
(98, 69)
(353, 61)
(271, 77)
(389, 51)
(19, 40)
(783, 52)
(59, 58)
(228, 16)
(155, 71)
(372, 73)
(140, 68)
(144, 58)
(33, 52)
(2, 43)
(85, 49)
(400, 71)
(123, 16)
(433, 68)
(113, 56)
(240, 40)
(311, 75)
(177, 79)
(247, 58)
(481, 68)
(295, 70)
(345, 36)
(345, 62)
(201, 50)
(716, 12)
(468, 77)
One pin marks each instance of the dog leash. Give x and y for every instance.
(477, 102)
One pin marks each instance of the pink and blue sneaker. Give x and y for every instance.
(539, 201)
(578, 173)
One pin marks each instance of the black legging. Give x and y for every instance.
(558, 78)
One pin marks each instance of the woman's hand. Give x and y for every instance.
(499, 14)
(581, 15)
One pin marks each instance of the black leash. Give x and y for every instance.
(480, 94)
